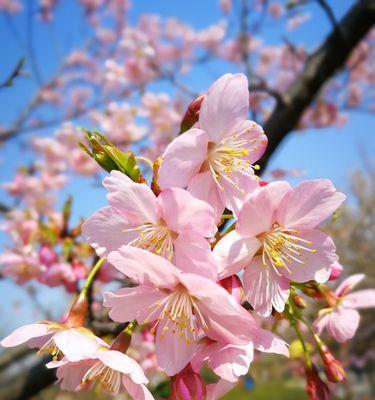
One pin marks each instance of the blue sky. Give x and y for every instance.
(330, 153)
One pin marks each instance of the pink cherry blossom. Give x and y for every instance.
(173, 225)
(214, 158)
(56, 339)
(342, 320)
(112, 369)
(180, 305)
(276, 240)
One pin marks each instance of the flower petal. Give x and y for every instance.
(309, 203)
(227, 321)
(121, 362)
(184, 214)
(128, 304)
(144, 268)
(233, 253)
(183, 159)
(104, 231)
(193, 254)
(173, 351)
(134, 201)
(258, 213)
(349, 283)
(360, 299)
(226, 103)
(264, 288)
(343, 323)
(24, 334)
(136, 391)
(315, 265)
(267, 342)
(203, 187)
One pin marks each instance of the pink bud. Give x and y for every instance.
(336, 270)
(233, 285)
(334, 370)
(192, 114)
(187, 385)
(316, 389)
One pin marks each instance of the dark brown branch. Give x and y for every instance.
(320, 67)
(328, 10)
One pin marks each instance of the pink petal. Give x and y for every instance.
(343, 323)
(267, 342)
(121, 362)
(321, 322)
(229, 361)
(77, 344)
(233, 253)
(316, 265)
(184, 214)
(136, 391)
(203, 187)
(104, 231)
(134, 201)
(309, 203)
(258, 213)
(227, 321)
(128, 304)
(217, 390)
(349, 283)
(183, 159)
(193, 254)
(237, 190)
(172, 351)
(144, 268)
(70, 375)
(360, 299)
(226, 103)
(24, 334)
(257, 140)
(264, 288)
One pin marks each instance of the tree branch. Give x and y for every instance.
(320, 67)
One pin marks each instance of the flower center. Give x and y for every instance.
(230, 156)
(281, 246)
(109, 378)
(156, 238)
(180, 314)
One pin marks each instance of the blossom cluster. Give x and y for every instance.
(203, 255)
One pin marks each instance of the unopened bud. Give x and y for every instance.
(333, 368)
(262, 182)
(316, 389)
(187, 385)
(192, 114)
(336, 270)
(110, 158)
(233, 285)
(299, 301)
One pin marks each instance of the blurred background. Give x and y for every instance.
(129, 70)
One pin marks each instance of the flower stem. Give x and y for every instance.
(91, 276)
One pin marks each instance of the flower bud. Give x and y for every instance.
(47, 256)
(233, 285)
(299, 301)
(334, 370)
(336, 270)
(187, 385)
(316, 389)
(110, 158)
(192, 114)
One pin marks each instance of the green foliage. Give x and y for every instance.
(109, 157)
